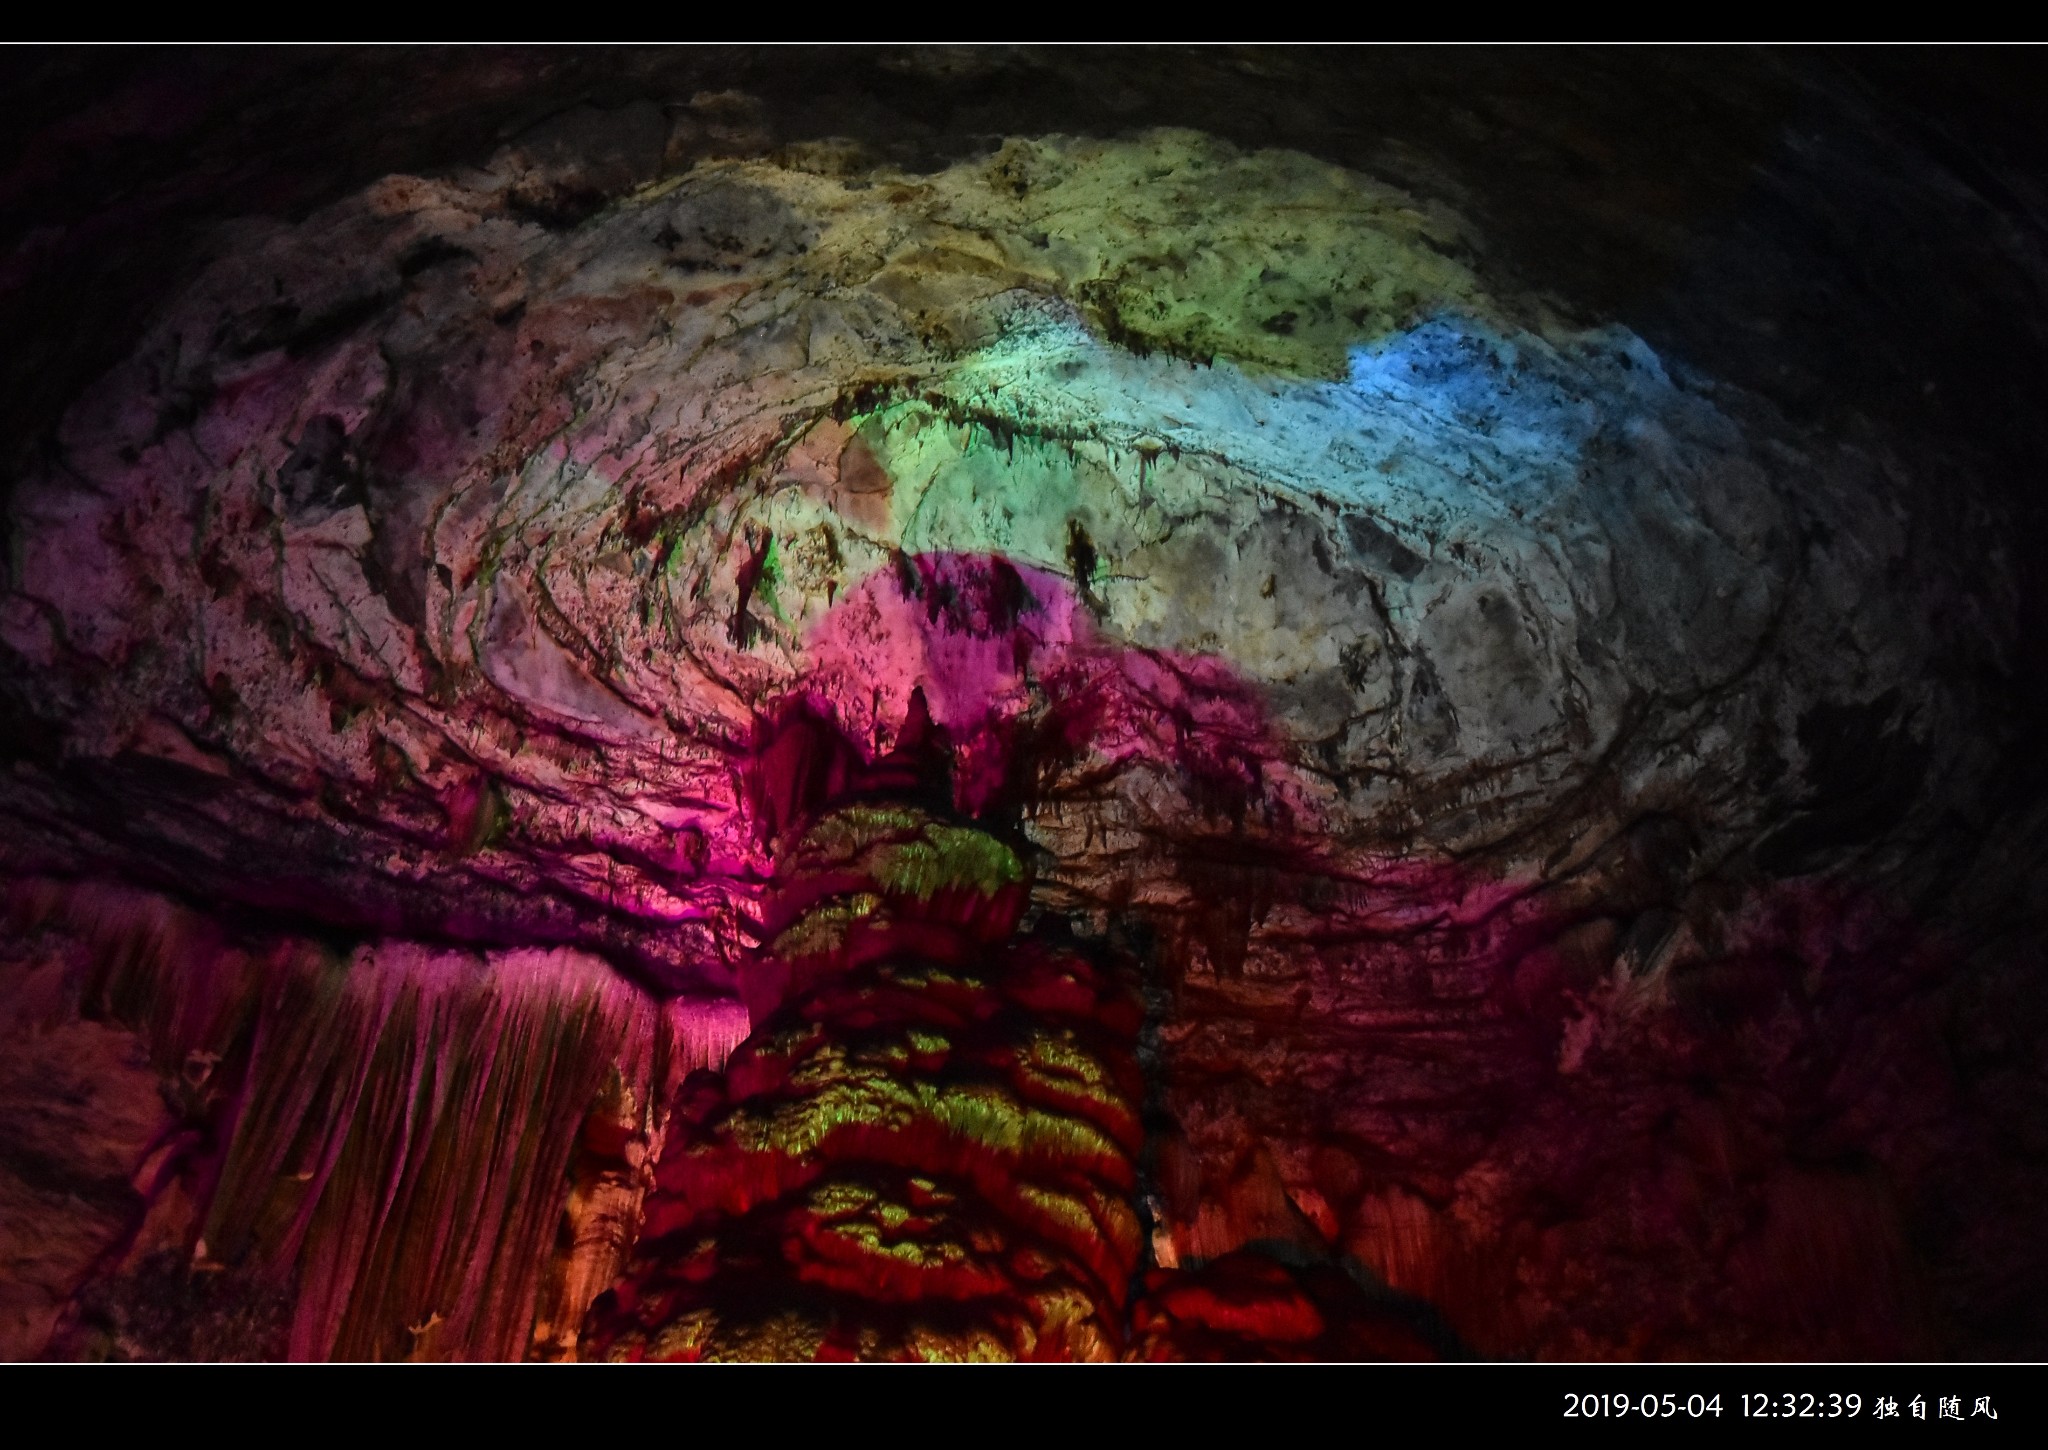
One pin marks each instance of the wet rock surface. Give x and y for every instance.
(1561, 779)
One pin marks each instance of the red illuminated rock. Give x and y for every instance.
(927, 1148)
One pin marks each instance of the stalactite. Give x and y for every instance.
(381, 1136)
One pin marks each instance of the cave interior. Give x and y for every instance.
(1023, 703)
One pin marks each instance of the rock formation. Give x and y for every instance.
(681, 741)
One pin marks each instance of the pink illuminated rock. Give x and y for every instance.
(1445, 749)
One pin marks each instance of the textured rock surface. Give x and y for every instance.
(83, 1119)
(928, 1152)
(547, 517)
(1561, 802)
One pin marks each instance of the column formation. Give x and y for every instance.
(927, 1147)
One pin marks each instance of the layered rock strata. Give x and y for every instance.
(927, 1148)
